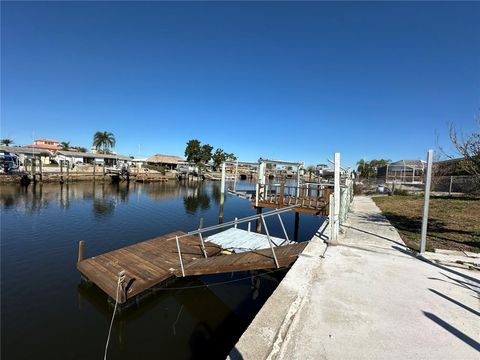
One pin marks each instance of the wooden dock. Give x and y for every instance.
(156, 262)
(310, 200)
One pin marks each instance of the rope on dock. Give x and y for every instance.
(121, 279)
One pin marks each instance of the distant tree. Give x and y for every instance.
(104, 141)
(81, 149)
(469, 150)
(219, 156)
(6, 142)
(365, 169)
(311, 170)
(206, 153)
(368, 169)
(193, 151)
(65, 145)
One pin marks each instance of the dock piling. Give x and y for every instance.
(81, 248)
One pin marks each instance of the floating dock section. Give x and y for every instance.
(132, 271)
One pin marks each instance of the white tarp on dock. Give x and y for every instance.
(241, 240)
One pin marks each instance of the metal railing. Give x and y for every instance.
(234, 223)
(307, 195)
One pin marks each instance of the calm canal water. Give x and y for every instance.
(47, 314)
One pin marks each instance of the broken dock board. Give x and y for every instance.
(241, 240)
(156, 262)
(251, 260)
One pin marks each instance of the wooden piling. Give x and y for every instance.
(295, 230)
(282, 189)
(259, 221)
(81, 248)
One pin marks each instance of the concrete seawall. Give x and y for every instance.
(367, 298)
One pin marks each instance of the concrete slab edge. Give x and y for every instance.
(264, 337)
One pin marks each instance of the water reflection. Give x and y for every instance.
(104, 197)
(196, 198)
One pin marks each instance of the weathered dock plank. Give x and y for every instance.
(146, 264)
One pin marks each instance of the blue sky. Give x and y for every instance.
(294, 81)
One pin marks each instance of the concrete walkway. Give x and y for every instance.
(367, 298)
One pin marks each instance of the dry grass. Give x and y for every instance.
(454, 222)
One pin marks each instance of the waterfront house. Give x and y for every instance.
(27, 153)
(169, 162)
(76, 157)
(45, 144)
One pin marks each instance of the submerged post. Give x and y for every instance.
(426, 201)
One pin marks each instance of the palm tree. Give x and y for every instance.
(311, 170)
(65, 145)
(6, 142)
(104, 140)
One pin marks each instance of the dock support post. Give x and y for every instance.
(94, 170)
(249, 226)
(236, 175)
(41, 169)
(295, 229)
(103, 171)
(259, 222)
(298, 180)
(222, 185)
(61, 171)
(180, 256)
(68, 171)
(32, 162)
(81, 248)
(426, 202)
(270, 241)
(280, 198)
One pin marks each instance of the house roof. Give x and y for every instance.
(44, 146)
(164, 159)
(411, 164)
(24, 150)
(91, 155)
(49, 140)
